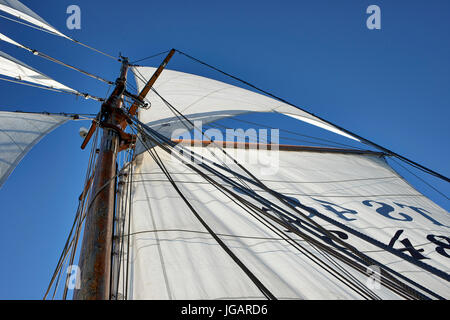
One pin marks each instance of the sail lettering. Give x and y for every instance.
(415, 253)
(374, 20)
(441, 246)
(341, 214)
(74, 20)
(386, 209)
(421, 212)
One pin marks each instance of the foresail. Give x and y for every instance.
(207, 100)
(19, 132)
(16, 69)
(11, 41)
(357, 197)
(19, 10)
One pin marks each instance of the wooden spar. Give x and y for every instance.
(149, 85)
(264, 146)
(95, 256)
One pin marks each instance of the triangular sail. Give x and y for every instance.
(207, 100)
(358, 197)
(19, 10)
(16, 69)
(19, 132)
(11, 41)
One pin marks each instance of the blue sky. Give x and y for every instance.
(389, 85)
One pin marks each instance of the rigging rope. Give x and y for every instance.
(85, 95)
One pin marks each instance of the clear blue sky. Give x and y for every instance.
(389, 85)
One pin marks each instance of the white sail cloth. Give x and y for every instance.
(16, 69)
(19, 132)
(207, 100)
(19, 10)
(172, 256)
(11, 41)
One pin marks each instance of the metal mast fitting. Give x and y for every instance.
(95, 256)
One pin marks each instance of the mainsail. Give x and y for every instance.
(207, 100)
(19, 132)
(218, 232)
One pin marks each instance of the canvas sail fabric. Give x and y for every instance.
(172, 256)
(11, 41)
(202, 99)
(19, 10)
(16, 69)
(19, 132)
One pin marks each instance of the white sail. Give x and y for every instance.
(207, 100)
(11, 41)
(16, 69)
(173, 256)
(19, 10)
(19, 132)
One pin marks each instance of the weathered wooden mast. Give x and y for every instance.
(96, 250)
(95, 256)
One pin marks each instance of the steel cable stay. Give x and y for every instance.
(294, 208)
(297, 248)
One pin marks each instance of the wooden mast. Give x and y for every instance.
(96, 250)
(95, 256)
